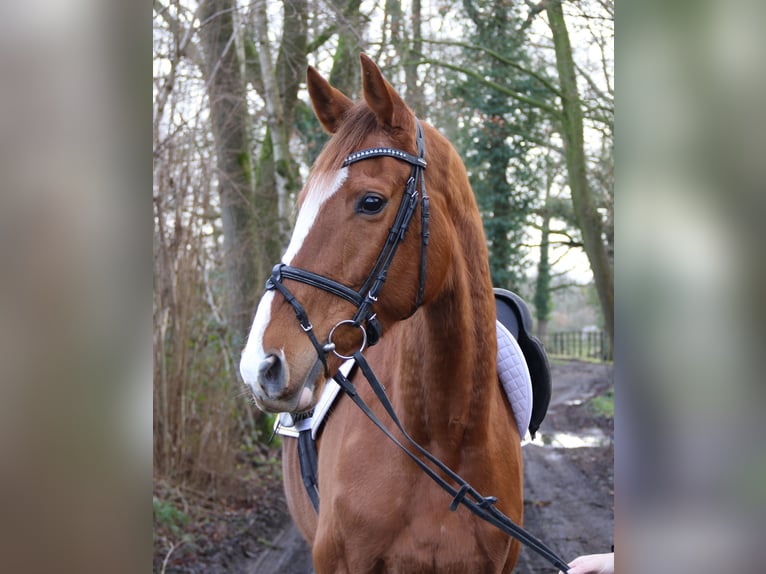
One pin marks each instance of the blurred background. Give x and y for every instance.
(150, 158)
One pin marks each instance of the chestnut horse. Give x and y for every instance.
(437, 356)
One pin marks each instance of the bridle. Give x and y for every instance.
(365, 297)
(365, 319)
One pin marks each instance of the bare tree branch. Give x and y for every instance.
(502, 89)
(499, 58)
(562, 286)
(534, 10)
(185, 47)
(609, 107)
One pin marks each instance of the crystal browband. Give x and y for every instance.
(384, 151)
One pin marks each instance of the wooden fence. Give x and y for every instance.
(580, 344)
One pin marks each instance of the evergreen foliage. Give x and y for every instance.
(496, 134)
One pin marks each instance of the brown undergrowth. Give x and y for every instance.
(218, 526)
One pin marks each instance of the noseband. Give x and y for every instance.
(364, 298)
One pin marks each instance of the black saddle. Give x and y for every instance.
(514, 315)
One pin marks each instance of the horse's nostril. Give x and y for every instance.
(271, 374)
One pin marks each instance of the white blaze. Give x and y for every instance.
(321, 188)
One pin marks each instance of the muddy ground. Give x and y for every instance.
(569, 482)
(568, 496)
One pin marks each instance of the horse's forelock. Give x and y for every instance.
(358, 124)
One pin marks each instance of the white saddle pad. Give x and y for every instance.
(514, 377)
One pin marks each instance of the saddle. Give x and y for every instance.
(514, 317)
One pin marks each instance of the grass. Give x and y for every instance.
(604, 404)
(167, 515)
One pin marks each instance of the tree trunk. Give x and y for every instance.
(350, 30)
(277, 179)
(588, 218)
(230, 121)
(412, 54)
(542, 297)
(275, 113)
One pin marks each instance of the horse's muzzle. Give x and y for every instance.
(269, 381)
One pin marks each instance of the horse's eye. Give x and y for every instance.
(371, 204)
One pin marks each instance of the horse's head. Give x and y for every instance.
(346, 211)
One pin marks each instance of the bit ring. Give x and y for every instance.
(352, 323)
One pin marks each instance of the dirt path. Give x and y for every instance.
(568, 483)
(567, 475)
(289, 555)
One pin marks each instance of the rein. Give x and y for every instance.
(481, 506)
(365, 320)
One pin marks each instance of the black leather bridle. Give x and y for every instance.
(462, 493)
(364, 298)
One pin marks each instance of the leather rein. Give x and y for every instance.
(364, 319)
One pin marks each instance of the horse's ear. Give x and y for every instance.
(380, 96)
(330, 105)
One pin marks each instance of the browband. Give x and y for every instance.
(384, 151)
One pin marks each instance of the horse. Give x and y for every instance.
(435, 309)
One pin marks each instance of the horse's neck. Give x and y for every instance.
(448, 362)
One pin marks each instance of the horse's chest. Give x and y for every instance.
(412, 531)
(380, 513)
(433, 548)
